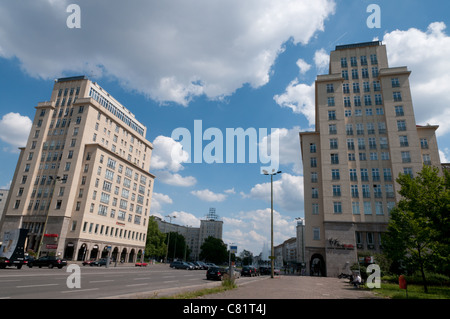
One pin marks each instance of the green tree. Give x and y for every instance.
(177, 246)
(246, 257)
(418, 230)
(155, 246)
(214, 250)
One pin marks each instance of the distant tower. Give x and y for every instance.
(211, 226)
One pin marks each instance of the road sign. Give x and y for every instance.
(233, 249)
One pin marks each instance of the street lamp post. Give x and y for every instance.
(272, 252)
(168, 236)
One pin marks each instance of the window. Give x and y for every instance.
(312, 148)
(348, 113)
(364, 175)
(346, 88)
(367, 208)
(354, 191)
(313, 163)
(375, 72)
(401, 125)
(344, 62)
(395, 82)
(347, 102)
(355, 74)
(387, 174)
(334, 158)
(315, 209)
(353, 175)
(335, 175)
(366, 86)
(316, 233)
(377, 191)
(356, 87)
(367, 100)
(381, 128)
(397, 96)
(336, 190)
(372, 143)
(406, 157)
(424, 143)
(330, 88)
(389, 191)
(314, 177)
(366, 191)
(373, 156)
(403, 140)
(337, 207)
(365, 73)
(332, 129)
(333, 143)
(375, 174)
(345, 74)
(361, 144)
(355, 208)
(363, 60)
(357, 100)
(360, 129)
(350, 144)
(349, 129)
(314, 192)
(353, 61)
(331, 115)
(426, 159)
(373, 59)
(399, 110)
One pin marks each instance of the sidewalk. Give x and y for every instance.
(294, 287)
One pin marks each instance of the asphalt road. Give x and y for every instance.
(97, 282)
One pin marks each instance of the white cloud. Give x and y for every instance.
(444, 155)
(287, 190)
(300, 98)
(168, 157)
(175, 179)
(250, 229)
(14, 129)
(163, 154)
(289, 147)
(322, 60)
(158, 200)
(185, 219)
(426, 54)
(166, 50)
(303, 66)
(209, 196)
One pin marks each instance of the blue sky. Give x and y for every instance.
(230, 64)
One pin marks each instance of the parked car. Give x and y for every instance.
(181, 265)
(48, 261)
(194, 266)
(216, 273)
(249, 271)
(202, 265)
(139, 264)
(99, 263)
(87, 262)
(211, 265)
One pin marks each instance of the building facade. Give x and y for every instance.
(211, 225)
(83, 178)
(365, 136)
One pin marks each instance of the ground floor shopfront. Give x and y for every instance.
(81, 250)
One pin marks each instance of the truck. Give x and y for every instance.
(12, 252)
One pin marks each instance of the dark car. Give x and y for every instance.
(98, 263)
(181, 265)
(249, 271)
(215, 273)
(48, 261)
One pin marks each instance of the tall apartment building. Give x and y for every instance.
(211, 225)
(83, 176)
(365, 136)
